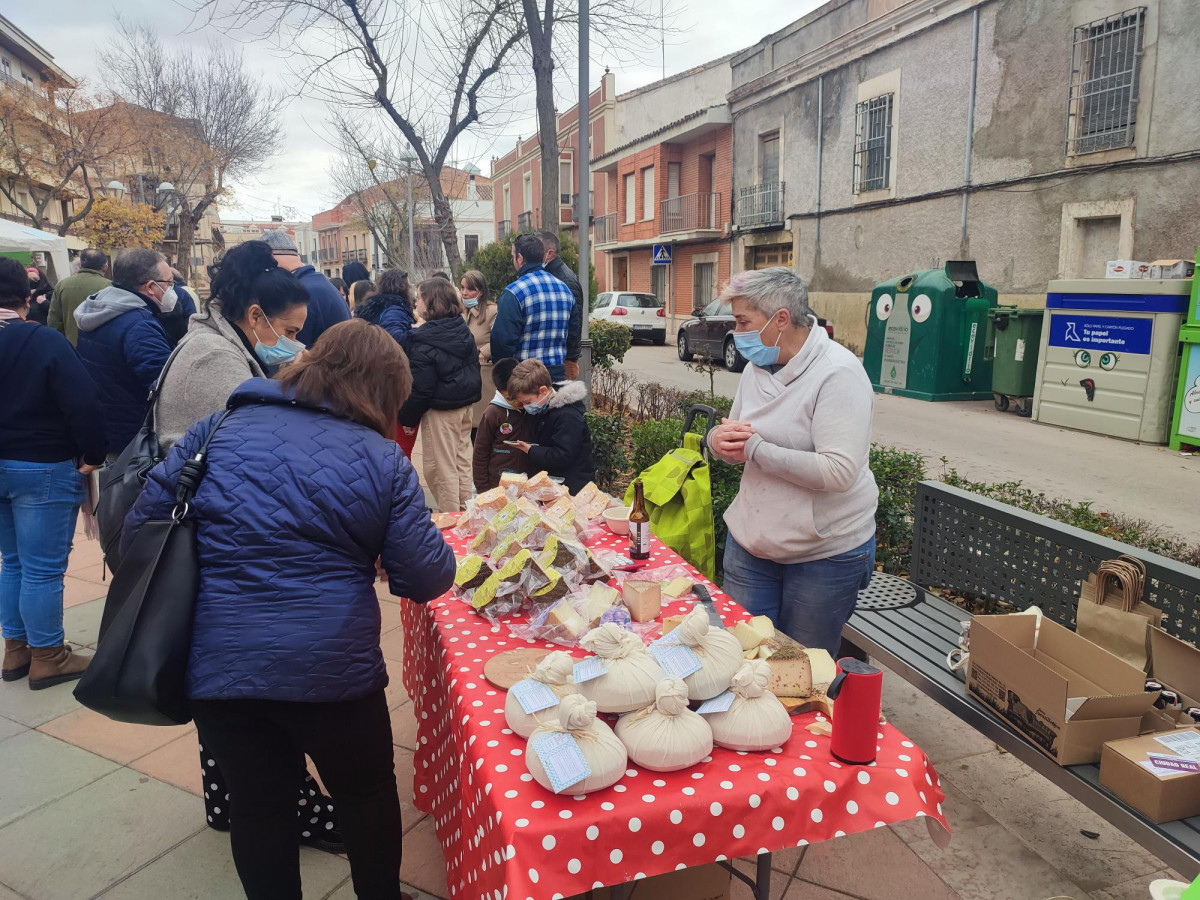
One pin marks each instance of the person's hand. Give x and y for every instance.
(728, 439)
(85, 469)
(523, 446)
(572, 369)
(380, 574)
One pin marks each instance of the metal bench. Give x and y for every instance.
(968, 544)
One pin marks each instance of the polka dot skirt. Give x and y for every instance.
(504, 836)
(314, 811)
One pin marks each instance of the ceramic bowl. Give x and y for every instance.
(617, 519)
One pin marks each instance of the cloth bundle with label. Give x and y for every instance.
(755, 720)
(666, 736)
(631, 674)
(719, 653)
(554, 673)
(576, 744)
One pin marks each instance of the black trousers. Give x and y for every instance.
(256, 743)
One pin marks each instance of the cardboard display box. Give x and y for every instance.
(1160, 798)
(1172, 268)
(1174, 664)
(708, 882)
(1126, 268)
(1066, 694)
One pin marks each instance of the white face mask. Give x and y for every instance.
(169, 300)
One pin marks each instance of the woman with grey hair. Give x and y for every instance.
(802, 528)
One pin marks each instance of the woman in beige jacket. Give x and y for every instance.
(480, 315)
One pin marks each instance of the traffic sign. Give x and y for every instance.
(662, 254)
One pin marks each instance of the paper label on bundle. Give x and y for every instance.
(674, 658)
(586, 670)
(561, 758)
(533, 696)
(719, 703)
(1184, 743)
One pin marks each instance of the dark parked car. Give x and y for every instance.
(710, 334)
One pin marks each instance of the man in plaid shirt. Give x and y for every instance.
(534, 312)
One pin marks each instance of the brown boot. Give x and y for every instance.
(55, 665)
(16, 660)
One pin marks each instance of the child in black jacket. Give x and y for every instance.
(561, 444)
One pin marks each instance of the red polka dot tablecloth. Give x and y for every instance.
(504, 836)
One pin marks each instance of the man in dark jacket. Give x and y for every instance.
(561, 443)
(40, 290)
(553, 264)
(121, 342)
(534, 312)
(69, 293)
(325, 304)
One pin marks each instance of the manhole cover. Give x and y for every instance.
(887, 592)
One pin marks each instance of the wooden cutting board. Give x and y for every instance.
(505, 669)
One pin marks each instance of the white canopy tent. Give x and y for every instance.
(14, 236)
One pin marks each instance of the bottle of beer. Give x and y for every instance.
(639, 525)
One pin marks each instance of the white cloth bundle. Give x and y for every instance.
(666, 736)
(554, 671)
(603, 750)
(631, 675)
(719, 652)
(756, 720)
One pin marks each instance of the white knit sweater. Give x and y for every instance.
(807, 491)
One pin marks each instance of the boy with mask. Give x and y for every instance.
(561, 444)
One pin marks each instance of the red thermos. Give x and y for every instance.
(857, 690)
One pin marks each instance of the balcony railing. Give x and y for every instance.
(5, 78)
(504, 230)
(606, 229)
(691, 212)
(759, 205)
(525, 221)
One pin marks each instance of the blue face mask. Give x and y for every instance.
(753, 350)
(470, 303)
(536, 409)
(283, 351)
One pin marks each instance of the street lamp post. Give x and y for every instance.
(114, 190)
(407, 159)
(585, 193)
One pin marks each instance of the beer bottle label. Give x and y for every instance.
(639, 537)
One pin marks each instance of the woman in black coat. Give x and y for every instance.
(446, 383)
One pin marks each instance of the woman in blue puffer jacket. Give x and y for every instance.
(304, 492)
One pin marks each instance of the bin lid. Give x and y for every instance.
(1121, 295)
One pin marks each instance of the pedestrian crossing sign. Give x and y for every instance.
(662, 254)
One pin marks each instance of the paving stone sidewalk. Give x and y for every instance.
(92, 808)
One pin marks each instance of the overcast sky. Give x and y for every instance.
(73, 30)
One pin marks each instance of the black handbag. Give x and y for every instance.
(138, 673)
(122, 481)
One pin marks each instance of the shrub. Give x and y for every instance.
(652, 440)
(896, 473)
(494, 260)
(609, 439)
(610, 343)
(721, 404)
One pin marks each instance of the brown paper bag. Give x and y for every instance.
(1111, 612)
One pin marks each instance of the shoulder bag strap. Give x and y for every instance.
(158, 382)
(192, 473)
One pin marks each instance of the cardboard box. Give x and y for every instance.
(1064, 693)
(1172, 268)
(1174, 664)
(708, 882)
(1126, 268)
(1158, 797)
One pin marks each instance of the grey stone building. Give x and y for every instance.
(1039, 137)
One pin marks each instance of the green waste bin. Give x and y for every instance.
(1014, 338)
(925, 334)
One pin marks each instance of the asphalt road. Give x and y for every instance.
(1145, 481)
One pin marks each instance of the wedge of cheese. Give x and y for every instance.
(599, 600)
(677, 587)
(670, 623)
(824, 669)
(791, 673)
(748, 638)
(644, 599)
(564, 616)
(764, 626)
(516, 480)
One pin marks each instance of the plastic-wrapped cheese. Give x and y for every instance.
(632, 673)
(666, 736)
(756, 720)
(601, 749)
(554, 671)
(719, 652)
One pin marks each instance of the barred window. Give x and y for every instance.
(1103, 97)
(873, 144)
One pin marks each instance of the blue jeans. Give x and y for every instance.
(38, 506)
(809, 601)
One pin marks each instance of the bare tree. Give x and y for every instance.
(226, 123)
(622, 28)
(50, 147)
(432, 69)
